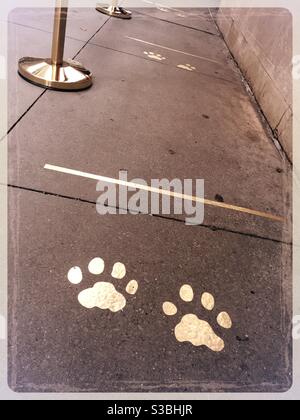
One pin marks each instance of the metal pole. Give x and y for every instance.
(59, 34)
(55, 72)
(114, 10)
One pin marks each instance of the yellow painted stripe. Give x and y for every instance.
(164, 192)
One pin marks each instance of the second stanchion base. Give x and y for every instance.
(70, 76)
(118, 12)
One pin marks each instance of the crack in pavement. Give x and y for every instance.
(174, 219)
(178, 24)
(47, 89)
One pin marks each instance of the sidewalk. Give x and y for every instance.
(167, 102)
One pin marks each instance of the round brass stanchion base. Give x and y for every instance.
(70, 76)
(118, 12)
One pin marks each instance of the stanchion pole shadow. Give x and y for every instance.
(114, 10)
(55, 72)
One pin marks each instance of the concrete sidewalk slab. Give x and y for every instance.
(82, 23)
(28, 42)
(167, 43)
(197, 18)
(57, 345)
(156, 122)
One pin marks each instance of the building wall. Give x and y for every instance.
(261, 41)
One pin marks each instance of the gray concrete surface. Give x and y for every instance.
(177, 44)
(201, 19)
(174, 111)
(82, 23)
(155, 120)
(57, 345)
(28, 42)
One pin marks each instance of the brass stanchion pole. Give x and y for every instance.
(114, 10)
(55, 72)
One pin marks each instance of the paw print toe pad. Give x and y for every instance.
(96, 266)
(75, 275)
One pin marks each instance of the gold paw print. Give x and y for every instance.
(102, 295)
(153, 56)
(187, 67)
(195, 330)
